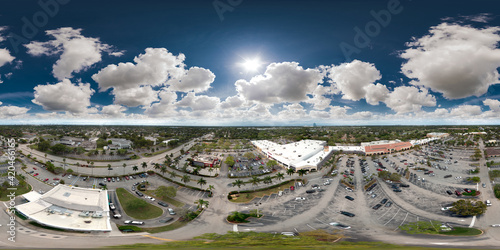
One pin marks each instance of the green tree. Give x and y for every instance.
(135, 168)
(163, 170)
(475, 179)
(172, 174)
(268, 180)
(301, 172)
(290, 171)
(201, 203)
(468, 208)
(109, 169)
(202, 182)
(280, 176)
(124, 166)
(43, 146)
(229, 161)
(144, 165)
(185, 178)
(238, 183)
(210, 188)
(255, 181)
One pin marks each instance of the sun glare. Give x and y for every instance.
(251, 65)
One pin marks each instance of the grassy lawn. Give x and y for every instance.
(166, 199)
(247, 197)
(253, 240)
(20, 190)
(463, 231)
(169, 227)
(137, 208)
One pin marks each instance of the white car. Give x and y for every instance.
(348, 189)
(69, 176)
(133, 222)
(495, 225)
(300, 199)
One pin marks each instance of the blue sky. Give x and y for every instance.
(244, 62)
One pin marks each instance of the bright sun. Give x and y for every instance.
(251, 64)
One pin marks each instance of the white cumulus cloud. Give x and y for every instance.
(281, 82)
(77, 52)
(406, 99)
(64, 96)
(457, 61)
(353, 78)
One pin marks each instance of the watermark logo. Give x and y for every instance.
(11, 173)
(372, 29)
(31, 26)
(222, 7)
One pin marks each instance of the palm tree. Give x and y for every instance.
(196, 171)
(280, 176)
(163, 170)
(135, 168)
(185, 178)
(238, 183)
(210, 188)
(255, 181)
(157, 166)
(268, 180)
(124, 166)
(172, 174)
(210, 170)
(202, 182)
(45, 157)
(290, 171)
(144, 165)
(201, 203)
(302, 172)
(92, 166)
(77, 165)
(109, 169)
(64, 164)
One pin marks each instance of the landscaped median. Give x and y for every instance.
(137, 208)
(436, 227)
(248, 195)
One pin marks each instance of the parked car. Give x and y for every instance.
(300, 199)
(347, 213)
(171, 211)
(376, 207)
(166, 220)
(488, 203)
(449, 192)
(133, 222)
(310, 191)
(161, 203)
(112, 206)
(349, 198)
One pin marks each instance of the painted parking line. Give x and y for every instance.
(311, 227)
(75, 180)
(402, 222)
(392, 217)
(321, 221)
(385, 212)
(157, 238)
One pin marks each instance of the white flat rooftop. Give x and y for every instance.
(70, 208)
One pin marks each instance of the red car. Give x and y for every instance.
(292, 188)
(109, 179)
(378, 169)
(46, 179)
(126, 178)
(64, 175)
(56, 179)
(34, 168)
(35, 174)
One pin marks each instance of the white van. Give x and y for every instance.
(289, 234)
(488, 203)
(280, 193)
